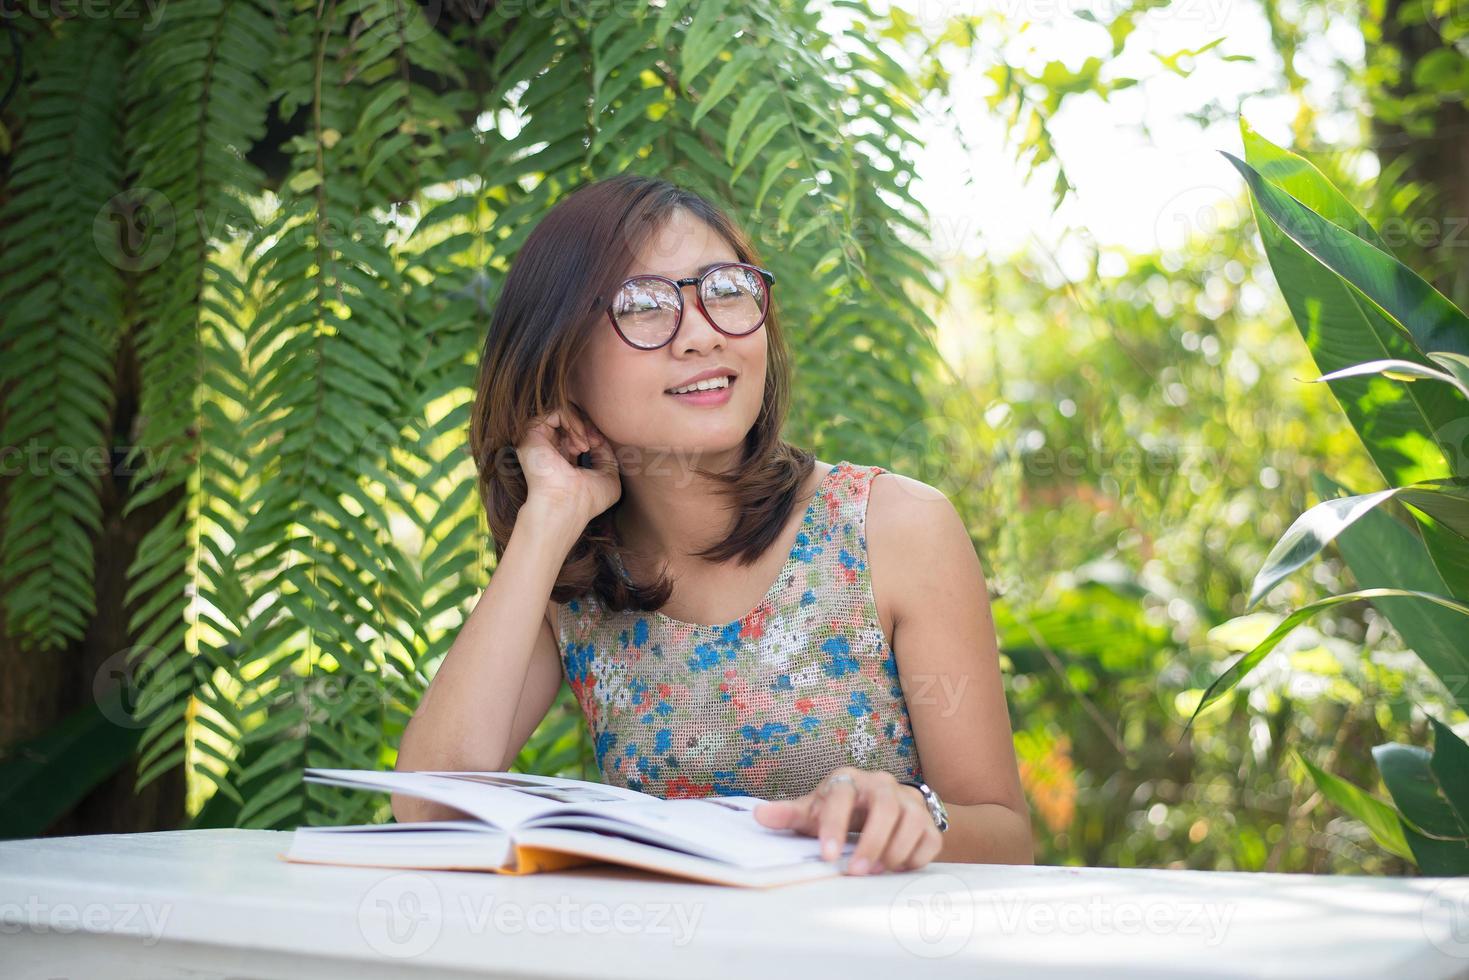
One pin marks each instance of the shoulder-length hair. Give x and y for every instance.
(551, 301)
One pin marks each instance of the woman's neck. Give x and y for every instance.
(668, 512)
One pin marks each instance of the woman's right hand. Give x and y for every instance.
(548, 454)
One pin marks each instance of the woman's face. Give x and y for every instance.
(625, 391)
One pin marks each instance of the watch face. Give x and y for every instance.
(935, 805)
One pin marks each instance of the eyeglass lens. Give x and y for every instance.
(646, 309)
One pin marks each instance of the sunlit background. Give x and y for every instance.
(257, 292)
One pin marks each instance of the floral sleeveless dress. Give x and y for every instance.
(765, 705)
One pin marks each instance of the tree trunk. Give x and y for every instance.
(1434, 240)
(39, 690)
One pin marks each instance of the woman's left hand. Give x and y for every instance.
(898, 833)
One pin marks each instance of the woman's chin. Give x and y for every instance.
(701, 447)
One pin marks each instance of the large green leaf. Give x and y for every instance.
(1412, 432)
(1382, 552)
(1395, 421)
(1250, 660)
(1438, 839)
(1380, 819)
(44, 777)
(1410, 371)
(1433, 323)
(1445, 500)
(1450, 765)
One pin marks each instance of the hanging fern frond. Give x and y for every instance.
(202, 106)
(62, 303)
(309, 343)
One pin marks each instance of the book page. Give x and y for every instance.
(396, 828)
(721, 828)
(500, 799)
(430, 844)
(633, 854)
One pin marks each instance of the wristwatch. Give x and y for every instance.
(935, 805)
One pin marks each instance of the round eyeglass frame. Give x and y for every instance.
(698, 282)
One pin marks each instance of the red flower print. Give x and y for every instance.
(680, 788)
(752, 627)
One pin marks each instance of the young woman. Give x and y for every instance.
(733, 615)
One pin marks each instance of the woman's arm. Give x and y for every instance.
(500, 674)
(924, 563)
(949, 668)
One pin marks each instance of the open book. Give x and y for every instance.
(522, 824)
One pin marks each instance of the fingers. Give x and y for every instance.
(898, 834)
(913, 832)
(567, 430)
(582, 435)
(883, 812)
(833, 811)
(928, 847)
(781, 814)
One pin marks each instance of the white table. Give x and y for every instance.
(220, 903)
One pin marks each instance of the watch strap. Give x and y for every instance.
(931, 800)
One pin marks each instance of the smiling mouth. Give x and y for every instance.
(704, 391)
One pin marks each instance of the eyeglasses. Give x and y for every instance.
(647, 311)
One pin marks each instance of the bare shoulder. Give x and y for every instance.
(892, 490)
(915, 539)
(899, 507)
(904, 514)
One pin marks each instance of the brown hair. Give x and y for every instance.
(551, 300)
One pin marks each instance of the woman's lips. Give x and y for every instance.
(714, 396)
